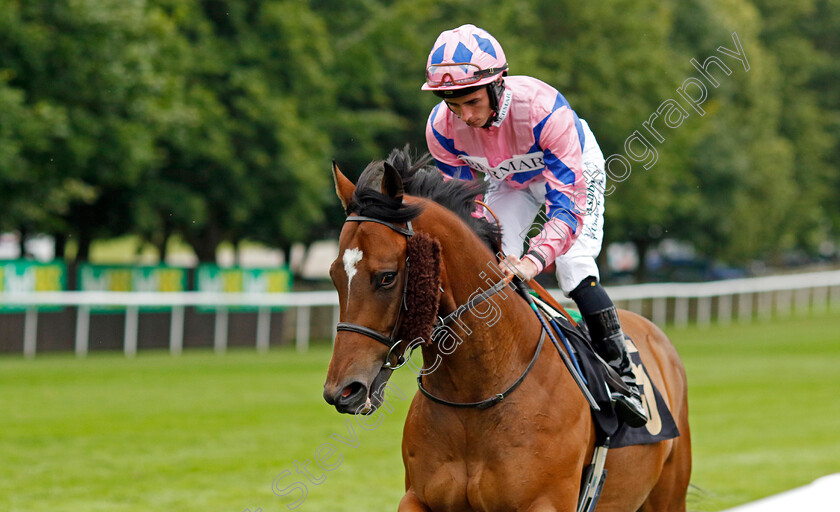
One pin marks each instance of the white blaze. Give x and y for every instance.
(350, 258)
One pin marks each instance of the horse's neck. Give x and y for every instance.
(485, 347)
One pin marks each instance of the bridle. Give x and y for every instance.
(392, 342)
(389, 341)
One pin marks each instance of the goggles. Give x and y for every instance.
(445, 74)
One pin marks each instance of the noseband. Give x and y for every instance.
(389, 341)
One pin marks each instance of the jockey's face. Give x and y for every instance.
(474, 108)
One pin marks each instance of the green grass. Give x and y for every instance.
(211, 433)
(764, 407)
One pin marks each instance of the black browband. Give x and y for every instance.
(407, 231)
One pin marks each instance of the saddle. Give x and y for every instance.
(598, 376)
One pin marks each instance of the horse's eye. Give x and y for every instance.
(386, 279)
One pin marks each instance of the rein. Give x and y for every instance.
(489, 402)
(478, 299)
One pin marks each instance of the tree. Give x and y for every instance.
(742, 164)
(35, 193)
(84, 67)
(614, 64)
(217, 121)
(804, 122)
(247, 159)
(822, 27)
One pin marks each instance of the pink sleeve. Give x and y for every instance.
(565, 188)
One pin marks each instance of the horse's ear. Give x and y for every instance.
(343, 187)
(392, 185)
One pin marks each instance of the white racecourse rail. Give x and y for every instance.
(675, 303)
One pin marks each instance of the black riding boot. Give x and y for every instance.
(608, 340)
(613, 350)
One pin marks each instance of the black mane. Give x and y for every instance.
(420, 179)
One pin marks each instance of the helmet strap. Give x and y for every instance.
(495, 91)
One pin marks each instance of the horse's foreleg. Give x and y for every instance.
(411, 503)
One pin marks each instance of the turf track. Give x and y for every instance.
(211, 433)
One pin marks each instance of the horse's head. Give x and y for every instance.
(387, 278)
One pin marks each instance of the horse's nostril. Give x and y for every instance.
(350, 397)
(351, 390)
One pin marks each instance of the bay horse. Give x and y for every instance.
(524, 452)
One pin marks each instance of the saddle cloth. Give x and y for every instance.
(660, 425)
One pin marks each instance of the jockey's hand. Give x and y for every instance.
(525, 269)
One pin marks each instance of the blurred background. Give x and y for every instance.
(165, 131)
(173, 146)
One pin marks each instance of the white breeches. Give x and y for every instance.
(517, 209)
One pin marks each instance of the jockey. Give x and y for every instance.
(526, 140)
